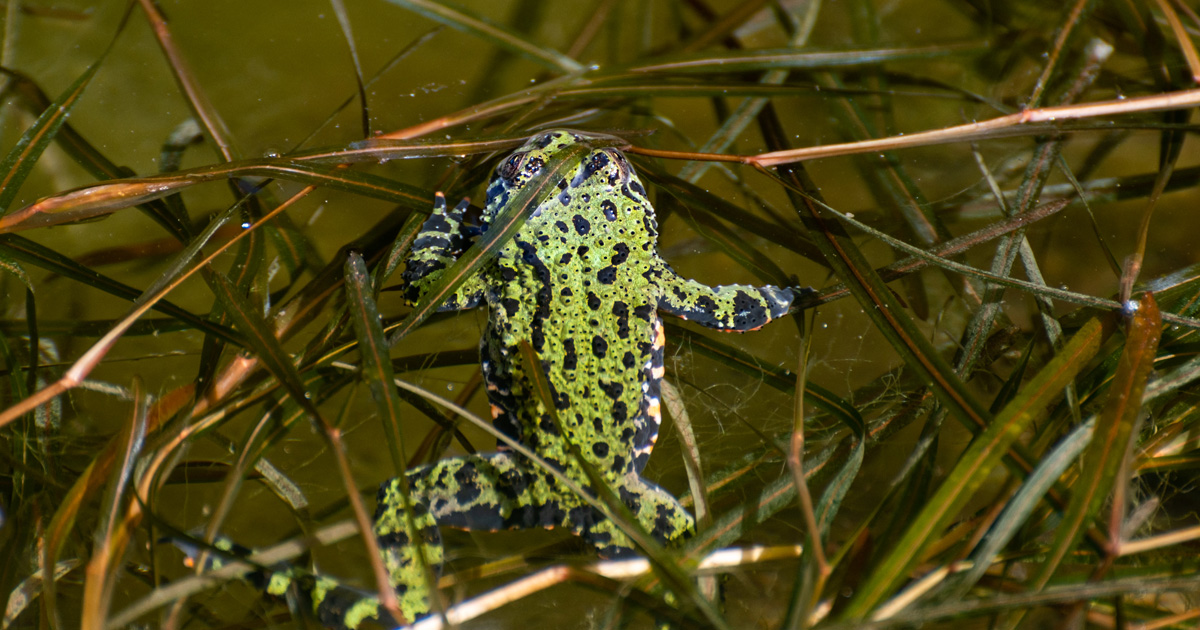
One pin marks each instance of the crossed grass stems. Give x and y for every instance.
(292, 387)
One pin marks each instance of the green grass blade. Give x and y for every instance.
(1110, 442)
(22, 249)
(88, 156)
(731, 61)
(260, 337)
(107, 197)
(877, 300)
(973, 468)
(728, 241)
(1015, 514)
(460, 20)
(376, 364)
(20, 160)
(377, 370)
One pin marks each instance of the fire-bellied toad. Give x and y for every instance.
(583, 284)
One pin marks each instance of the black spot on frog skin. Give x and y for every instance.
(704, 311)
(597, 424)
(570, 359)
(582, 518)
(481, 517)
(468, 490)
(566, 292)
(514, 481)
(508, 274)
(393, 539)
(582, 250)
(643, 311)
(534, 165)
(706, 304)
(644, 347)
(561, 225)
(511, 306)
(620, 253)
(633, 194)
(610, 209)
(620, 310)
(628, 360)
(537, 338)
(600, 449)
(651, 229)
(599, 347)
(582, 225)
(564, 197)
(636, 187)
(599, 161)
(620, 413)
(593, 301)
(613, 389)
(565, 259)
(748, 312)
(607, 275)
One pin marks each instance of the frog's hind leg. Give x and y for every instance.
(487, 492)
(655, 509)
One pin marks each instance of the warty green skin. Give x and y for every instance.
(583, 284)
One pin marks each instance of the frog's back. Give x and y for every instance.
(578, 284)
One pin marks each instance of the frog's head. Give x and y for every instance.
(603, 169)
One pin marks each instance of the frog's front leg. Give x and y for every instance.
(734, 307)
(438, 245)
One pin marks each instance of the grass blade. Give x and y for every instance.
(20, 160)
(376, 365)
(377, 370)
(479, 27)
(973, 468)
(1111, 438)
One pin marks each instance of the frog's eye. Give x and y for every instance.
(509, 169)
(618, 160)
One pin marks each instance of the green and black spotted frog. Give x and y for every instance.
(583, 284)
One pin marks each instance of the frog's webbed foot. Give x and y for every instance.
(442, 239)
(801, 297)
(656, 510)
